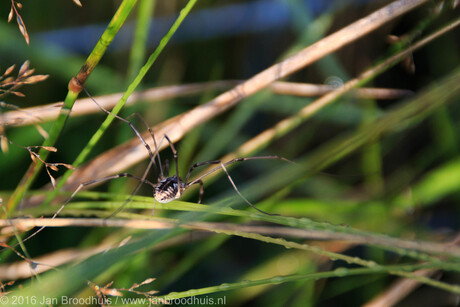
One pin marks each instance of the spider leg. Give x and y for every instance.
(222, 166)
(128, 200)
(192, 168)
(152, 156)
(239, 193)
(157, 152)
(200, 196)
(174, 151)
(144, 176)
(84, 184)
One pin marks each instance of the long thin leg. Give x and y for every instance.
(81, 186)
(147, 170)
(152, 156)
(200, 196)
(173, 149)
(138, 186)
(157, 149)
(127, 201)
(222, 166)
(227, 163)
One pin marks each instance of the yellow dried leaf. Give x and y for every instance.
(3, 143)
(9, 70)
(22, 28)
(438, 8)
(19, 94)
(69, 166)
(147, 281)
(10, 15)
(24, 67)
(409, 65)
(35, 79)
(32, 156)
(391, 38)
(124, 241)
(50, 148)
(111, 292)
(42, 131)
(77, 2)
(53, 167)
(28, 72)
(7, 80)
(53, 181)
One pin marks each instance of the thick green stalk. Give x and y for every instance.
(74, 89)
(137, 58)
(143, 71)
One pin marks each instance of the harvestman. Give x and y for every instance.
(167, 188)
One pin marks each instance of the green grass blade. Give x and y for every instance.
(93, 59)
(131, 88)
(340, 272)
(138, 49)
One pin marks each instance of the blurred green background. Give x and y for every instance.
(404, 184)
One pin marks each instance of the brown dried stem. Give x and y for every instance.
(9, 84)
(22, 27)
(48, 165)
(423, 246)
(130, 153)
(85, 106)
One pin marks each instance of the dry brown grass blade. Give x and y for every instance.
(36, 157)
(287, 124)
(399, 290)
(18, 120)
(314, 90)
(274, 231)
(21, 269)
(21, 25)
(130, 153)
(85, 106)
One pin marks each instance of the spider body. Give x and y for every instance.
(168, 189)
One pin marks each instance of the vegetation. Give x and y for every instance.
(362, 98)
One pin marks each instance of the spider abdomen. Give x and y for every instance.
(167, 190)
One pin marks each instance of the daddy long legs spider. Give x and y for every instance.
(169, 188)
(166, 188)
